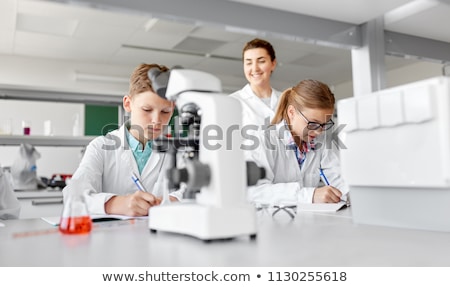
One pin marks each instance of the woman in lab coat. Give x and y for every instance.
(106, 170)
(259, 100)
(295, 150)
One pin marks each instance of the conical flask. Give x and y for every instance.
(75, 218)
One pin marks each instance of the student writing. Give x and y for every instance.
(106, 170)
(295, 149)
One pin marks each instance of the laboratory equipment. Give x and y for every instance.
(9, 204)
(5, 127)
(26, 126)
(75, 218)
(48, 130)
(216, 166)
(24, 169)
(58, 180)
(396, 158)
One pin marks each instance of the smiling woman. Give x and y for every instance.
(258, 98)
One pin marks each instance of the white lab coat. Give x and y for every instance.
(285, 183)
(254, 110)
(107, 167)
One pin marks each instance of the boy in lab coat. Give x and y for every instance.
(105, 174)
(300, 161)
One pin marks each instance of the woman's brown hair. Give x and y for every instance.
(260, 43)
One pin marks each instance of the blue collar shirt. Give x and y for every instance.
(141, 154)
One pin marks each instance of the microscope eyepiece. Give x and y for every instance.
(159, 80)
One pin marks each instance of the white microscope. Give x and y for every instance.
(220, 209)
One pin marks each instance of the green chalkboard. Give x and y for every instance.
(99, 120)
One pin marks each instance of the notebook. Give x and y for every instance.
(54, 220)
(321, 207)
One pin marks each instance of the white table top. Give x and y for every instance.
(312, 239)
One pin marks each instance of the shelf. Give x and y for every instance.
(68, 141)
(38, 194)
(10, 92)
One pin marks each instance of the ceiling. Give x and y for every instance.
(80, 33)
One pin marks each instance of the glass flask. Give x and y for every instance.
(75, 218)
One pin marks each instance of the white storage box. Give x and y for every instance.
(397, 155)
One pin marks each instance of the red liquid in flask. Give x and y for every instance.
(75, 225)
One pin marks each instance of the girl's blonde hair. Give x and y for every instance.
(139, 81)
(308, 93)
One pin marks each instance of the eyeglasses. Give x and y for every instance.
(315, 125)
(290, 210)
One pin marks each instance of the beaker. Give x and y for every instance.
(48, 130)
(5, 127)
(26, 125)
(75, 218)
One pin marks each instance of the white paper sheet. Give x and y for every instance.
(324, 207)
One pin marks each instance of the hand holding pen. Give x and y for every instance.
(142, 199)
(344, 197)
(327, 193)
(133, 204)
(137, 182)
(322, 175)
(141, 187)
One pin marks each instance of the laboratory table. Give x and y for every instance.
(311, 239)
(38, 203)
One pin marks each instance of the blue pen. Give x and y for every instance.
(137, 182)
(347, 202)
(323, 176)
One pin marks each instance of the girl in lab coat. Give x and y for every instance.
(258, 98)
(106, 170)
(296, 150)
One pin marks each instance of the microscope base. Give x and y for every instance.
(204, 222)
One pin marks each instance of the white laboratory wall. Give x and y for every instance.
(414, 73)
(407, 74)
(54, 75)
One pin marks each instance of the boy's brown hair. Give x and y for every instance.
(139, 80)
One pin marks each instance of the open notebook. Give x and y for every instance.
(54, 220)
(323, 207)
